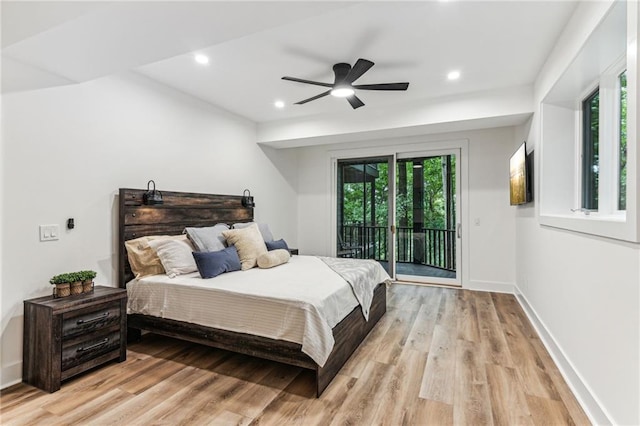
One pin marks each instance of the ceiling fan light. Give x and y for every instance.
(342, 92)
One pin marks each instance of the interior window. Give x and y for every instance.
(590, 163)
(584, 166)
(622, 148)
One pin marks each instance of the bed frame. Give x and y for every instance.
(181, 209)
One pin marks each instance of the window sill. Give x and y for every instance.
(613, 226)
(579, 215)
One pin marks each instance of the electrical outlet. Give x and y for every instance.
(49, 232)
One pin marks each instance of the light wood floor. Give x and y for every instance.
(439, 356)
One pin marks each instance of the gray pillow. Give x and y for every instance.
(267, 236)
(209, 238)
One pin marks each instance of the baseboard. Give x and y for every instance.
(493, 286)
(591, 405)
(11, 375)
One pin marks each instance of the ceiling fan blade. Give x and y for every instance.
(361, 66)
(382, 86)
(300, 80)
(321, 95)
(355, 101)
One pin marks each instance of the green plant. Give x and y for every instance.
(71, 277)
(87, 275)
(62, 278)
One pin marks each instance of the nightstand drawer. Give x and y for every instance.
(80, 352)
(90, 319)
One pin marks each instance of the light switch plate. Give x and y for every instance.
(49, 232)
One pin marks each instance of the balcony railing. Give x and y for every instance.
(429, 246)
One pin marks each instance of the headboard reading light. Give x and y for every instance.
(152, 196)
(247, 199)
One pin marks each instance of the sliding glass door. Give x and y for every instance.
(402, 210)
(363, 215)
(427, 241)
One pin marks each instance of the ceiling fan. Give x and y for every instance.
(343, 86)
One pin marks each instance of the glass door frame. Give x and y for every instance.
(390, 243)
(457, 281)
(405, 146)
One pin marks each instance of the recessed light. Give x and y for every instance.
(453, 75)
(278, 104)
(202, 59)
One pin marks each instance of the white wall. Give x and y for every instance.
(491, 261)
(67, 150)
(584, 290)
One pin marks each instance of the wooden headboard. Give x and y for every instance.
(180, 209)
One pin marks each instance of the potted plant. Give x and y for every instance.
(76, 282)
(62, 283)
(73, 283)
(87, 280)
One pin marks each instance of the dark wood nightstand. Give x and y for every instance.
(69, 335)
(293, 251)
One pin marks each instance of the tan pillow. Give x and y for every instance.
(143, 259)
(249, 244)
(273, 258)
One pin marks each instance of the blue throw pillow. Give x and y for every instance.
(275, 245)
(213, 263)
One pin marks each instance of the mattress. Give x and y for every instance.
(300, 302)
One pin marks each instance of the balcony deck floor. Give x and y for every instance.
(419, 270)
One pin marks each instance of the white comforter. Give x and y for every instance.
(300, 301)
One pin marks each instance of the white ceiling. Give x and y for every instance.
(251, 45)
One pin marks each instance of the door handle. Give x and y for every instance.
(459, 230)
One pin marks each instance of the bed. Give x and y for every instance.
(181, 209)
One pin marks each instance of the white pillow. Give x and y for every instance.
(143, 259)
(175, 256)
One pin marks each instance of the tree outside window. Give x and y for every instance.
(590, 150)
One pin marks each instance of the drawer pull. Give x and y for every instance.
(98, 318)
(94, 346)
